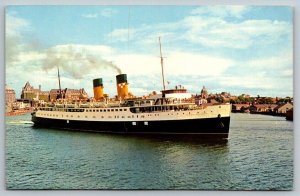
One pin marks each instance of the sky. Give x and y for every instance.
(236, 49)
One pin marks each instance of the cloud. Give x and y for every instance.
(108, 12)
(268, 75)
(212, 31)
(14, 40)
(75, 60)
(184, 63)
(177, 63)
(195, 48)
(216, 32)
(137, 64)
(287, 73)
(247, 82)
(90, 15)
(30, 56)
(221, 11)
(278, 61)
(121, 35)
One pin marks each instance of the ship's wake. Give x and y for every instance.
(19, 122)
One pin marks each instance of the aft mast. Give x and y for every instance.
(162, 66)
(60, 94)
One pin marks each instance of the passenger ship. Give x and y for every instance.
(162, 115)
(169, 113)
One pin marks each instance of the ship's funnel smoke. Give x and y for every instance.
(76, 63)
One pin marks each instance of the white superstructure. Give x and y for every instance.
(135, 113)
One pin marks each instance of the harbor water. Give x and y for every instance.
(258, 155)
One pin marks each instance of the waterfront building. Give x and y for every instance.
(69, 94)
(213, 101)
(263, 107)
(290, 114)
(30, 93)
(21, 104)
(10, 95)
(204, 93)
(283, 108)
(202, 98)
(240, 107)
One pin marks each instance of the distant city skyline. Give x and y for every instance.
(236, 49)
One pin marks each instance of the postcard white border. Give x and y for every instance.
(294, 3)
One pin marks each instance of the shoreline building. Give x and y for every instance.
(10, 98)
(202, 98)
(69, 94)
(30, 93)
(10, 95)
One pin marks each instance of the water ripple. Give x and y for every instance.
(257, 156)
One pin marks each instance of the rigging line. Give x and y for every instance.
(111, 35)
(128, 28)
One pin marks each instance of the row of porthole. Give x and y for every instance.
(105, 110)
(110, 116)
(49, 115)
(142, 116)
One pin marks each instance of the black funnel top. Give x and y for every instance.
(97, 82)
(121, 78)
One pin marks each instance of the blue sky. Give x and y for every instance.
(237, 49)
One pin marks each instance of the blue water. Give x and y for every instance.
(257, 156)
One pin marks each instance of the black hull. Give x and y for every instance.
(219, 126)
